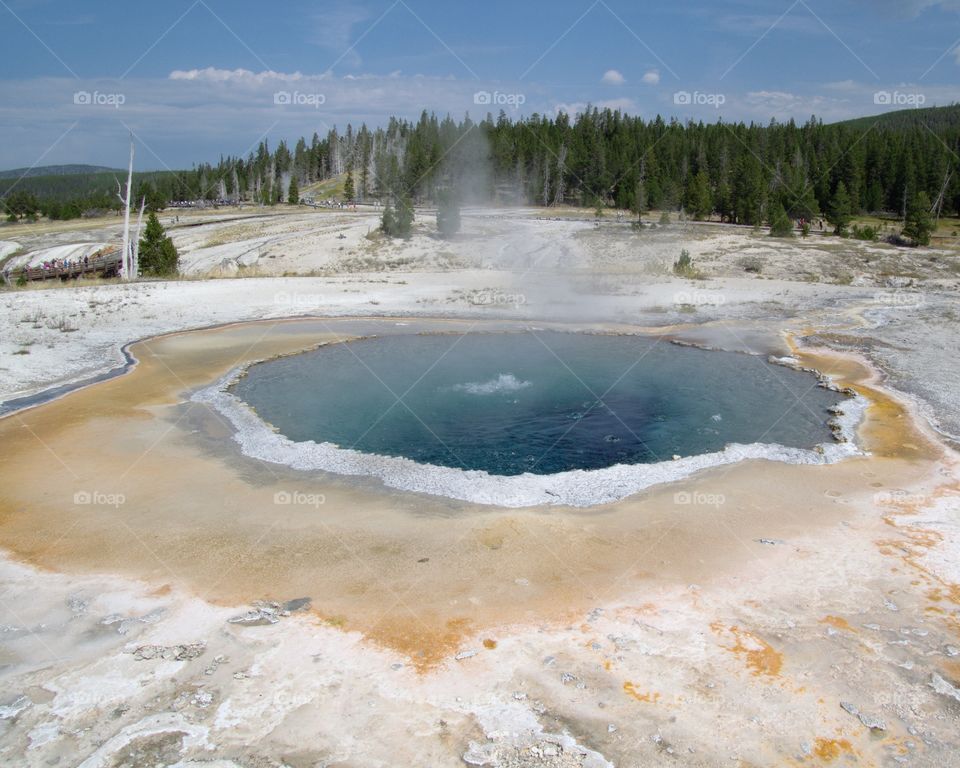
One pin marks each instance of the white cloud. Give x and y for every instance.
(612, 77)
(751, 25)
(236, 76)
(842, 85)
(192, 115)
(624, 105)
(776, 100)
(652, 77)
(578, 107)
(571, 109)
(333, 32)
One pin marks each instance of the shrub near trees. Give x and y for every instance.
(839, 213)
(699, 198)
(683, 267)
(919, 226)
(349, 190)
(780, 223)
(398, 222)
(21, 205)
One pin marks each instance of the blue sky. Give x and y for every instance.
(193, 79)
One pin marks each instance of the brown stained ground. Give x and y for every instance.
(647, 697)
(759, 656)
(889, 430)
(420, 575)
(830, 750)
(913, 542)
(838, 622)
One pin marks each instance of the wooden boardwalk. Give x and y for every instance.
(105, 265)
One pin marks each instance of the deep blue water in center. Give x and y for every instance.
(540, 402)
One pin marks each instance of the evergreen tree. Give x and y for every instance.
(158, 256)
(21, 205)
(155, 199)
(724, 202)
(919, 224)
(640, 194)
(399, 222)
(780, 223)
(448, 213)
(388, 222)
(699, 202)
(293, 194)
(840, 213)
(405, 216)
(801, 202)
(749, 192)
(348, 189)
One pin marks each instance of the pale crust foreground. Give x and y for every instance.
(423, 577)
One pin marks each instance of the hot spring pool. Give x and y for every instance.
(498, 417)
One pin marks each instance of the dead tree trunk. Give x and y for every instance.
(125, 266)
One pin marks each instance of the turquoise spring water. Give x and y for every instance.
(544, 402)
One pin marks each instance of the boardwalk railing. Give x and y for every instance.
(105, 265)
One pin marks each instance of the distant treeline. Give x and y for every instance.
(70, 195)
(742, 173)
(55, 170)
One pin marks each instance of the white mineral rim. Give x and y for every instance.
(574, 488)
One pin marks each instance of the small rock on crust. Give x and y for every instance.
(262, 614)
(169, 652)
(944, 688)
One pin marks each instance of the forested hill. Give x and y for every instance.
(70, 195)
(54, 170)
(743, 173)
(935, 118)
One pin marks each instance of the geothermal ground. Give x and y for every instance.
(166, 600)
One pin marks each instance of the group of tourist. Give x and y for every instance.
(51, 265)
(66, 263)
